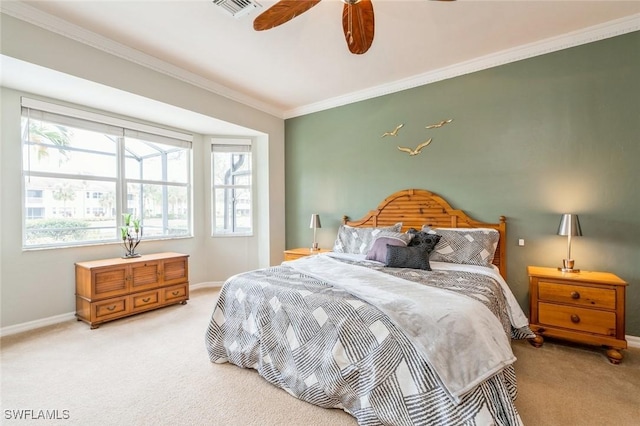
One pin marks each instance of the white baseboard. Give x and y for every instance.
(206, 284)
(633, 341)
(32, 325)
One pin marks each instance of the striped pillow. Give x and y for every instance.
(471, 246)
(359, 240)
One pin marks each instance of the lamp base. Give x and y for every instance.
(315, 247)
(567, 266)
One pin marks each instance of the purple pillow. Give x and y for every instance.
(378, 251)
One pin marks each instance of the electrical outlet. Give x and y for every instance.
(521, 242)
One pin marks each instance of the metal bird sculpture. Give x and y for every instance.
(417, 150)
(394, 132)
(440, 124)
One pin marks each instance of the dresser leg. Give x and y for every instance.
(614, 355)
(536, 341)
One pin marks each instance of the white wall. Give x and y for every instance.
(36, 285)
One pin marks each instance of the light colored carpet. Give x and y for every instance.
(153, 369)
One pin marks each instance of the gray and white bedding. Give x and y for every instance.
(390, 346)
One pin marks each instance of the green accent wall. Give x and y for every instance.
(558, 133)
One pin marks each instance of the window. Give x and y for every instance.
(231, 170)
(82, 171)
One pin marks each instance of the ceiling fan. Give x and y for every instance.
(357, 20)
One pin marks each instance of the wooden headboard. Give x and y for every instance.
(417, 207)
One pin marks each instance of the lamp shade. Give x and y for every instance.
(315, 221)
(569, 225)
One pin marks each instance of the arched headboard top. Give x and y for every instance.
(418, 207)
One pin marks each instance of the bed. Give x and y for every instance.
(407, 322)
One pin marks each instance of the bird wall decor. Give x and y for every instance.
(394, 132)
(440, 124)
(417, 150)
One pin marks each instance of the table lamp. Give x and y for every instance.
(315, 224)
(569, 227)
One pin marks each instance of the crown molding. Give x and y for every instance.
(588, 35)
(29, 14)
(34, 16)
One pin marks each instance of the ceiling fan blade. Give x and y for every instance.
(358, 25)
(282, 12)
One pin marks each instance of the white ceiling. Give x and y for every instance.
(304, 65)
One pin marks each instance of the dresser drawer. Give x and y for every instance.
(577, 295)
(175, 293)
(144, 301)
(580, 319)
(110, 308)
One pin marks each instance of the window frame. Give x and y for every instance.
(229, 145)
(120, 130)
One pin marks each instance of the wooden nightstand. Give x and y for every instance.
(585, 307)
(297, 253)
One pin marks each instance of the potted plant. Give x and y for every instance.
(131, 234)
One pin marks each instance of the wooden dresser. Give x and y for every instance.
(297, 253)
(585, 307)
(109, 289)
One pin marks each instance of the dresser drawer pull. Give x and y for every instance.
(146, 299)
(575, 295)
(575, 319)
(111, 308)
(175, 293)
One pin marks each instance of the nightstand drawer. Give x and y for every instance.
(577, 295)
(581, 319)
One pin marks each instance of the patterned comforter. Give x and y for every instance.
(328, 347)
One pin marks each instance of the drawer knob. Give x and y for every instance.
(111, 308)
(575, 319)
(175, 293)
(146, 299)
(575, 295)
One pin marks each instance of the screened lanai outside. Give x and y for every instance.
(157, 180)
